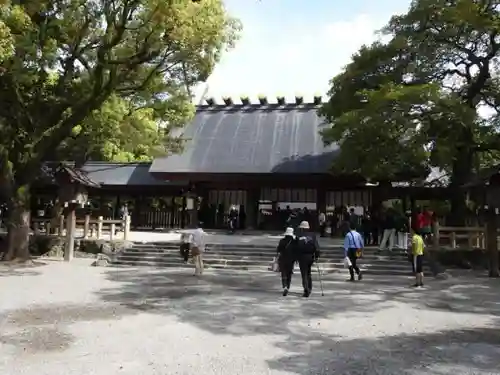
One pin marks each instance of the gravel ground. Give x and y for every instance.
(75, 319)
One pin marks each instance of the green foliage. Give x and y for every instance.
(93, 79)
(120, 132)
(97, 77)
(413, 102)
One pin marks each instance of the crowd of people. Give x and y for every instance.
(358, 232)
(386, 228)
(300, 243)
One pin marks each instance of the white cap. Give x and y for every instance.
(304, 225)
(289, 231)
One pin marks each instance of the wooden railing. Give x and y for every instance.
(459, 238)
(87, 228)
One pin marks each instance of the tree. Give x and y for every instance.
(63, 60)
(415, 100)
(120, 132)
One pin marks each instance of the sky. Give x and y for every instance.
(290, 47)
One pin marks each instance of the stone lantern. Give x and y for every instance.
(73, 193)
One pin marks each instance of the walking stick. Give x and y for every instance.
(320, 280)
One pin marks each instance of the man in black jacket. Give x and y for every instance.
(286, 258)
(307, 249)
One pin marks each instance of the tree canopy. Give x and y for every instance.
(420, 99)
(92, 74)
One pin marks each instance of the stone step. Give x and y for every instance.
(172, 245)
(269, 254)
(251, 251)
(262, 263)
(374, 259)
(324, 268)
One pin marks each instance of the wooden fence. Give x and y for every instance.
(87, 228)
(459, 238)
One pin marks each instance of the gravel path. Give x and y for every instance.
(61, 319)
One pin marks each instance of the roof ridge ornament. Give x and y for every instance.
(228, 100)
(281, 100)
(245, 100)
(263, 99)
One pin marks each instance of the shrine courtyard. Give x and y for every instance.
(59, 319)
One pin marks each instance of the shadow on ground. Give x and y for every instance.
(473, 351)
(20, 269)
(158, 290)
(251, 304)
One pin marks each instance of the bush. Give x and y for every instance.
(464, 259)
(47, 245)
(102, 246)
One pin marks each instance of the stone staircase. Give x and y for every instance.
(257, 258)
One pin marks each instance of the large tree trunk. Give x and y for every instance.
(18, 226)
(492, 242)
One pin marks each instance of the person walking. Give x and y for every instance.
(185, 246)
(334, 222)
(233, 219)
(322, 224)
(366, 227)
(424, 224)
(389, 225)
(402, 231)
(286, 259)
(197, 249)
(353, 249)
(417, 245)
(307, 250)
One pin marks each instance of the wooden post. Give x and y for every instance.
(99, 227)
(61, 225)
(47, 228)
(112, 232)
(126, 227)
(435, 235)
(36, 227)
(70, 236)
(86, 227)
(470, 240)
(453, 240)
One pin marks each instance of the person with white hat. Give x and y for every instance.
(286, 259)
(307, 249)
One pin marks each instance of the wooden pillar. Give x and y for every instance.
(61, 225)
(321, 199)
(100, 220)
(69, 249)
(320, 205)
(86, 227)
(192, 210)
(126, 227)
(183, 212)
(173, 212)
(252, 207)
(116, 211)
